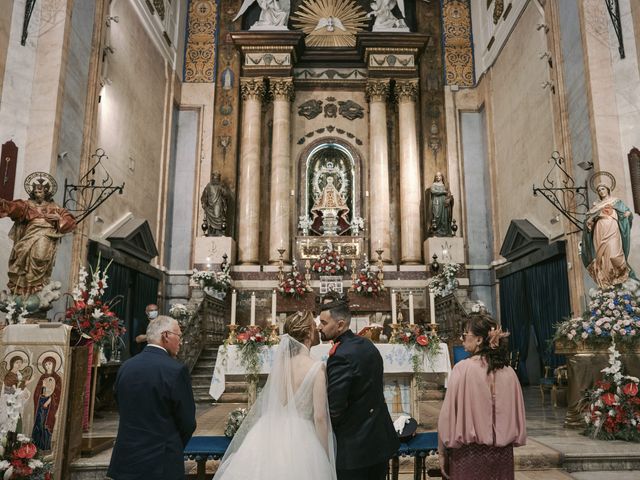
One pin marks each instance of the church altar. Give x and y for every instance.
(400, 388)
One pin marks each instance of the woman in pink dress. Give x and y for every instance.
(483, 416)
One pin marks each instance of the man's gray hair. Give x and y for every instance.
(161, 324)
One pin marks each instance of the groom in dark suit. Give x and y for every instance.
(157, 411)
(364, 431)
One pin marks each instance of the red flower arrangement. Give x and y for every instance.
(20, 460)
(613, 406)
(367, 282)
(293, 284)
(89, 314)
(330, 262)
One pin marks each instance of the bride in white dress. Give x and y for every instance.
(287, 434)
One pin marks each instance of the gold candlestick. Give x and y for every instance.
(281, 265)
(354, 267)
(433, 329)
(307, 271)
(395, 327)
(380, 265)
(273, 336)
(232, 338)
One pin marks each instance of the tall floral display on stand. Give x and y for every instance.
(94, 321)
(366, 282)
(613, 405)
(330, 262)
(293, 283)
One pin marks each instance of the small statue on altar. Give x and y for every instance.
(606, 238)
(214, 203)
(330, 210)
(39, 224)
(439, 208)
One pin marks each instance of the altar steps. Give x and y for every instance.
(235, 391)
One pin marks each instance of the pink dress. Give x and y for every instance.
(478, 429)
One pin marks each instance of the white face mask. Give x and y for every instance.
(152, 314)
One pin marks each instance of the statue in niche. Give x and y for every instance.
(274, 14)
(606, 238)
(439, 208)
(214, 203)
(330, 210)
(39, 224)
(386, 21)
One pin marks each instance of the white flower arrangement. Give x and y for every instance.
(15, 314)
(613, 313)
(179, 311)
(445, 283)
(218, 280)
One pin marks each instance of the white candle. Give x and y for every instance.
(394, 319)
(432, 307)
(253, 309)
(411, 308)
(234, 300)
(273, 308)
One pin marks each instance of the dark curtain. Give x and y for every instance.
(536, 297)
(516, 318)
(549, 291)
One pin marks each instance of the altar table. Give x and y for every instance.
(398, 370)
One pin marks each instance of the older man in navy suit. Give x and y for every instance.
(365, 436)
(157, 411)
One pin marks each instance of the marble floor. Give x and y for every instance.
(549, 447)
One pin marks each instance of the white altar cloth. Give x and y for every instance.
(397, 359)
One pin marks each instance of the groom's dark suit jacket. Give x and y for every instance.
(359, 416)
(157, 417)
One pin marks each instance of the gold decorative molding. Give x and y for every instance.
(458, 46)
(252, 89)
(498, 10)
(377, 90)
(282, 89)
(200, 53)
(330, 23)
(392, 61)
(407, 90)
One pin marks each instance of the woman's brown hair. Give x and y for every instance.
(298, 326)
(494, 348)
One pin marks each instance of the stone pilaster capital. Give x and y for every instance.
(252, 88)
(407, 90)
(282, 88)
(377, 90)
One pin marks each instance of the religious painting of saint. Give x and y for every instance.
(16, 373)
(46, 399)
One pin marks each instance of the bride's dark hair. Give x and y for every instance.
(298, 326)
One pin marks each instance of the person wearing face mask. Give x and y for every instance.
(151, 311)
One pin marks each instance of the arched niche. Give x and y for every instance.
(330, 156)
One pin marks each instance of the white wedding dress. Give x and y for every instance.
(287, 434)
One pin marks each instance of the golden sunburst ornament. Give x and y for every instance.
(330, 23)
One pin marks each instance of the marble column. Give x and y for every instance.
(377, 93)
(282, 92)
(410, 188)
(252, 91)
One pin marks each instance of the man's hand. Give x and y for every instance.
(141, 338)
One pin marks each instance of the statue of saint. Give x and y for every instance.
(274, 13)
(39, 223)
(214, 204)
(439, 208)
(385, 20)
(330, 200)
(606, 239)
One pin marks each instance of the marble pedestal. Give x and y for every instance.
(448, 249)
(209, 250)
